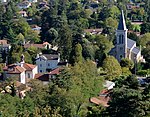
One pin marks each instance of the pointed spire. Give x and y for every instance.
(122, 24)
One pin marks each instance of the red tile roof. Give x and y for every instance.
(55, 72)
(3, 42)
(42, 77)
(93, 30)
(101, 100)
(34, 45)
(15, 69)
(41, 46)
(29, 67)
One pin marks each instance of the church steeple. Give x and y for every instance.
(122, 24)
(121, 37)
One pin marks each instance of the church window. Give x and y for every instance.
(121, 39)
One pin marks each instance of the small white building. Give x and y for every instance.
(2, 1)
(47, 62)
(24, 5)
(109, 85)
(20, 71)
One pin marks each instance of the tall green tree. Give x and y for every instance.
(112, 68)
(72, 89)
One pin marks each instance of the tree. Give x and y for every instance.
(145, 28)
(114, 12)
(73, 87)
(21, 26)
(19, 39)
(110, 22)
(144, 39)
(105, 13)
(125, 103)
(76, 54)
(146, 53)
(103, 43)
(32, 36)
(127, 63)
(112, 68)
(51, 35)
(133, 36)
(126, 71)
(88, 49)
(65, 42)
(128, 100)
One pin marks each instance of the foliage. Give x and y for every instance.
(126, 71)
(112, 67)
(128, 99)
(127, 63)
(103, 43)
(146, 53)
(142, 72)
(15, 54)
(144, 39)
(74, 87)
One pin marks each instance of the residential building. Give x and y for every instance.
(109, 85)
(32, 0)
(20, 71)
(94, 31)
(4, 49)
(44, 45)
(125, 47)
(2, 1)
(4, 46)
(24, 5)
(47, 77)
(47, 62)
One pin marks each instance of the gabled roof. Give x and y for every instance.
(136, 50)
(122, 24)
(42, 77)
(130, 43)
(51, 56)
(29, 67)
(55, 71)
(14, 69)
(17, 69)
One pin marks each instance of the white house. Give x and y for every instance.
(20, 71)
(109, 85)
(47, 62)
(24, 5)
(32, 0)
(2, 1)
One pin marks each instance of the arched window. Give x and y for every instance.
(121, 37)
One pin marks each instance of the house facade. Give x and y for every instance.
(4, 49)
(125, 47)
(20, 71)
(47, 62)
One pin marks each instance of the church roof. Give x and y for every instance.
(136, 50)
(122, 24)
(130, 43)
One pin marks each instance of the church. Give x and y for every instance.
(125, 47)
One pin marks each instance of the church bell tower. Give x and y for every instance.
(121, 39)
